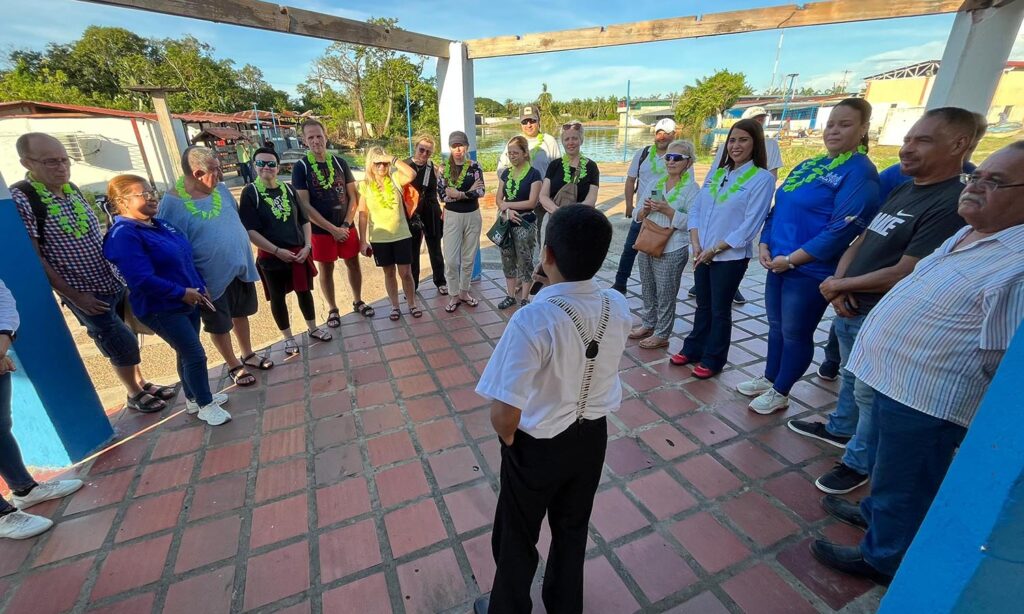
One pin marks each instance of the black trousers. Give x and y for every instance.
(433, 250)
(277, 281)
(557, 477)
(716, 284)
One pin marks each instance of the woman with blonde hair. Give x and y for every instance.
(572, 178)
(518, 189)
(381, 206)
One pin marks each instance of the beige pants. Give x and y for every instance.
(460, 243)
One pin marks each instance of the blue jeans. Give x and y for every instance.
(794, 306)
(716, 285)
(914, 453)
(843, 421)
(180, 329)
(112, 336)
(12, 467)
(628, 257)
(832, 347)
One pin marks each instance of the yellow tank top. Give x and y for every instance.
(387, 214)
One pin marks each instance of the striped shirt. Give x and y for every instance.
(935, 340)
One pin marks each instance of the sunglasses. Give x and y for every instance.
(425, 150)
(528, 121)
(382, 163)
(677, 157)
(572, 126)
(266, 163)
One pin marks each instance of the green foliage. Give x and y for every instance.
(708, 98)
(489, 107)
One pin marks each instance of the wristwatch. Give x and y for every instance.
(346, 225)
(790, 263)
(9, 333)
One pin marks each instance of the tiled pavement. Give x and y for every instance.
(361, 477)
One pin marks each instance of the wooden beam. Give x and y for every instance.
(279, 18)
(714, 24)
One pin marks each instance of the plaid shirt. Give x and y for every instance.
(79, 261)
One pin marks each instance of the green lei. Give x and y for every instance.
(81, 225)
(536, 148)
(191, 204)
(327, 183)
(654, 164)
(670, 197)
(716, 182)
(386, 196)
(809, 170)
(566, 170)
(448, 174)
(281, 211)
(512, 185)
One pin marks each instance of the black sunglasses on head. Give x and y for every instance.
(266, 163)
(572, 126)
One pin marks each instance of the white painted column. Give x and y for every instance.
(455, 96)
(975, 56)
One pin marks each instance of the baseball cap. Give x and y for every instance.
(530, 111)
(665, 124)
(753, 112)
(458, 137)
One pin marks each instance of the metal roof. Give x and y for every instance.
(21, 108)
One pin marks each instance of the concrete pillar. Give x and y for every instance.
(58, 418)
(976, 53)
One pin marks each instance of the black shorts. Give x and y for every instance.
(398, 252)
(238, 301)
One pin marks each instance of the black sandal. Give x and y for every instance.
(451, 307)
(320, 335)
(363, 309)
(472, 302)
(263, 364)
(239, 374)
(291, 348)
(442, 290)
(395, 314)
(150, 405)
(164, 393)
(416, 312)
(507, 302)
(333, 318)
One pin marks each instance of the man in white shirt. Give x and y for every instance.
(644, 172)
(553, 378)
(543, 149)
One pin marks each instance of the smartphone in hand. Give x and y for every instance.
(538, 275)
(204, 303)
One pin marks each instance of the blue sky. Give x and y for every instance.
(819, 54)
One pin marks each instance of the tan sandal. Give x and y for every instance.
(641, 332)
(653, 343)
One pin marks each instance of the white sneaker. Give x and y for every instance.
(754, 387)
(45, 492)
(219, 398)
(19, 525)
(214, 415)
(769, 402)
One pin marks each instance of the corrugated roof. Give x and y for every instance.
(29, 107)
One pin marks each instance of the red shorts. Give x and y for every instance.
(326, 249)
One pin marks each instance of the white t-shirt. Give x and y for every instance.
(684, 200)
(646, 175)
(543, 149)
(537, 366)
(771, 147)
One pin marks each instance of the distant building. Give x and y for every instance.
(646, 111)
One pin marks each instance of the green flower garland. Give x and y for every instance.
(448, 174)
(567, 174)
(81, 225)
(536, 148)
(716, 182)
(512, 185)
(385, 196)
(670, 197)
(809, 170)
(327, 183)
(281, 211)
(191, 204)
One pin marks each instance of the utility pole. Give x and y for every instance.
(163, 115)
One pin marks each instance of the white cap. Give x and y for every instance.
(666, 124)
(753, 112)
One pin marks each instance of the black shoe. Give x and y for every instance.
(847, 559)
(692, 292)
(817, 430)
(829, 371)
(481, 604)
(739, 299)
(843, 510)
(620, 290)
(841, 480)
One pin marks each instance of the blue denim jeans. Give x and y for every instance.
(832, 347)
(794, 306)
(112, 336)
(628, 257)
(843, 421)
(716, 284)
(12, 467)
(180, 329)
(914, 453)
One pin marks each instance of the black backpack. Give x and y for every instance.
(39, 207)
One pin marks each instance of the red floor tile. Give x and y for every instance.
(328, 383)
(126, 454)
(426, 408)
(712, 545)
(282, 444)
(209, 593)
(138, 604)
(472, 507)
(287, 392)
(274, 481)
(218, 496)
(279, 520)
(177, 442)
(366, 596)
(283, 417)
(348, 550)
(444, 358)
(465, 399)
(661, 494)
(639, 379)
(416, 385)
(798, 494)
(369, 374)
(705, 427)
(225, 459)
(433, 342)
(834, 588)
(399, 350)
(672, 401)
(763, 522)
(708, 476)
(284, 373)
(165, 475)
(760, 590)
(413, 527)
(241, 427)
(334, 464)
(14, 552)
(374, 394)
(704, 603)
(51, 590)
(655, 566)
(455, 467)
(625, 456)
(381, 419)
(604, 592)
(634, 413)
(750, 459)
(100, 491)
(335, 430)
(478, 351)
(75, 536)
(789, 445)
(132, 566)
(342, 501)
(615, 515)
(401, 483)
(145, 516)
(202, 544)
(431, 584)
(276, 575)
(456, 376)
(481, 560)
(667, 441)
(390, 448)
(407, 366)
(439, 435)
(478, 423)
(331, 405)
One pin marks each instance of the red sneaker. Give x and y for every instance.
(702, 372)
(679, 359)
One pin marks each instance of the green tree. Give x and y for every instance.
(548, 116)
(488, 106)
(40, 84)
(708, 98)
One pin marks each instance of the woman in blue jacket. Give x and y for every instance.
(165, 289)
(820, 208)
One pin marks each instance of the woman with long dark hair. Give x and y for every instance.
(824, 203)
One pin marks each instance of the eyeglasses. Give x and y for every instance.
(989, 185)
(528, 121)
(425, 150)
(572, 126)
(147, 195)
(266, 163)
(677, 157)
(53, 162)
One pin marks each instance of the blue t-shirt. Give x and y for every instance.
(824, 216)
(892, 177)
(156, 262)
(220, 244)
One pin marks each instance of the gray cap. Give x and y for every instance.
(530, 111)
(458, 138)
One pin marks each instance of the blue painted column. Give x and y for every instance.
(58, 419)
(969, 554)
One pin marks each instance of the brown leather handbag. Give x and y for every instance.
(652, 238)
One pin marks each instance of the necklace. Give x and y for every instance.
(81, 224)
(567, 170)
(327, 183)
(512, 185)
(809, 170)
(386, 196)
(191, 204)
(716, 183)
(282, 210)
(670, 197)
(536, 148)
(457, 183)
(654, 164)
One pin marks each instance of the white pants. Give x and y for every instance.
(460, 243)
